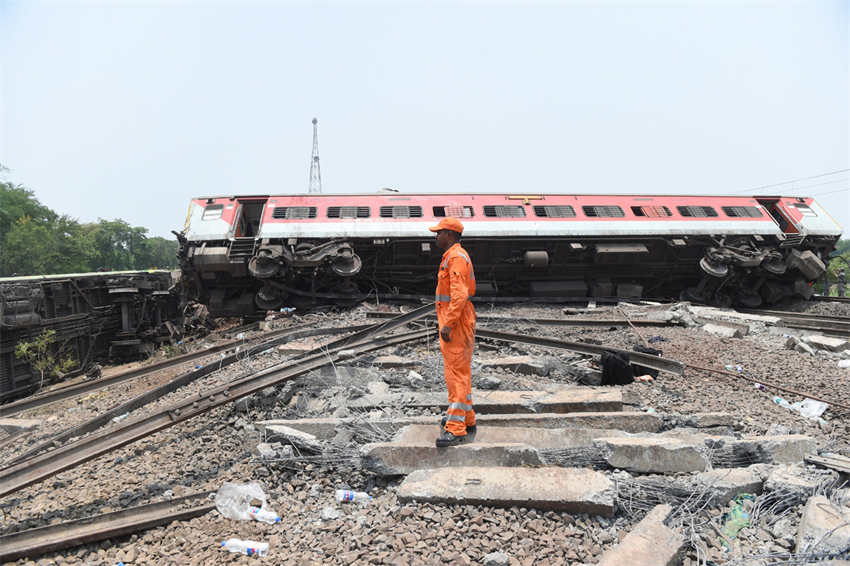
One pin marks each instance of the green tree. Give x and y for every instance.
(28, 248)
(44, 357)
(17, 202)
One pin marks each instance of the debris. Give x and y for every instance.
(824, 527)
(497, 558)
(519, 364)
(249, 547)
(265, 451)
(395, 362)
(723, 330)
(652, 455)
(301, 440)
(488, 382)
(650, 543)
(348, 496)
(378, 387)
(797, 482)
(235, 501)
(826, 342)
(808, 408)
(330, 513)
(737, 518)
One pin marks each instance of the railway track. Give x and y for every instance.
(176, 383)
(823, 298)
(45, 465)
(75, 390)
(837, 325)
(33, 542)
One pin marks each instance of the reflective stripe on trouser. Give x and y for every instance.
(457, 357)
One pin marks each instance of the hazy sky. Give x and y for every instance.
(129, 109)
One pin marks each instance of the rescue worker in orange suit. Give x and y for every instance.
(456, 318)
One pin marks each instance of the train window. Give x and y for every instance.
(401, 212)
(455, 210)
(603, 211)
(651, 211)
(804, 209)
(294, 212)
(697, 211)
(212, 212)
(742, 211)
(504, 211)
(348, 212)
(565, 211)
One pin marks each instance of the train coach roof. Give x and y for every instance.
(483, 193)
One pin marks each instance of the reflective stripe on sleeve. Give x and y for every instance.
(461, 406)
(442, 298)
(456, 418)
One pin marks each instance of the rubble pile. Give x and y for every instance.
(693, 469)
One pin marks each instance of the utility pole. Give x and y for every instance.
(315, 172)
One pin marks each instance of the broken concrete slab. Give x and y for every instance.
(571, 490)
(715, 313)
(650, 543)
(539, 438)
(301, 440)
(392, 459)
(395, 362)
(574, 400)
(824, 528)
(652, 455)
(16, 425)
(378, 387)
(826, 342)
(325, 428)
(723, 330)
(798, 482)
(705, 420)
(769, 449)
(726, 484)
(520, 364)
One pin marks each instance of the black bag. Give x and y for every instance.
(616, 369)
(643, 370)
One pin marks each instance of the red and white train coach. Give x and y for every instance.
(243, 254)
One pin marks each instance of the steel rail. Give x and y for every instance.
(174, 384)
(88, 448)
(796, 315)
(71, 391)
(830, 299)
(546, 321)
(648, 360)
(35, 542)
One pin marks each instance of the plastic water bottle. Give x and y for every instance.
(346, 496)
(249, 547)
(782, 402)
(264, 515)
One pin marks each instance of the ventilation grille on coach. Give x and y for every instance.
(504, 211)
(651, 211)
(742, 211)
(603, 211)
(697, 211)
(565, 211)
(401, 212)
(294, 212)
(348, 212)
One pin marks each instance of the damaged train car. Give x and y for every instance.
(242, 255)
(118, 315)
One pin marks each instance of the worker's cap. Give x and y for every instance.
(452, 224)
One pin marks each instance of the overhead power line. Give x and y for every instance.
(790, 182)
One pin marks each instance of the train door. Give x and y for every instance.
(780, 215)
(248, 217)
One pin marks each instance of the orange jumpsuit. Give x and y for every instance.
(455, 286)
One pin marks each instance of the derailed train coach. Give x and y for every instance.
(242, 255)
(93, 316)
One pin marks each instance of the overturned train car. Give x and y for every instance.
(242, 255)
(119, 315)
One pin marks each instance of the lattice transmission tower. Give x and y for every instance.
(315, 171)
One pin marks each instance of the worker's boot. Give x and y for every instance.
(470, 430)
(446, 438)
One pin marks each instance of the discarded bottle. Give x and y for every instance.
(781, 402)
(249, 547)
(264, 515)
(234, 501)
(736, 367)
(346, 495)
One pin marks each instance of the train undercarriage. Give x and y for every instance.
(248, 276)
